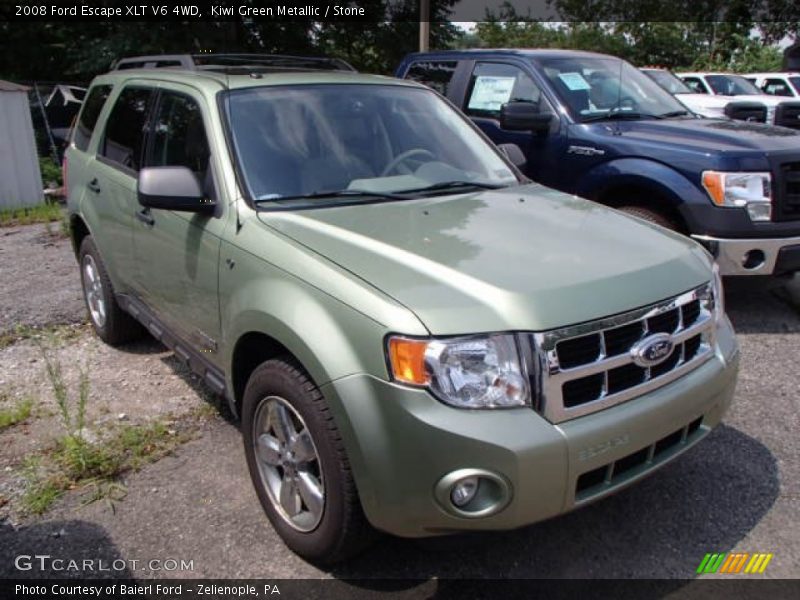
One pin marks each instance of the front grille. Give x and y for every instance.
(603, 479)
(788, 185)
(787, 114)
(596, 365)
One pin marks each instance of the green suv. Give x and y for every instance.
(417, 339)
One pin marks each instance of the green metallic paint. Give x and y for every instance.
(400, 442)
(520, 258)
(330, 284)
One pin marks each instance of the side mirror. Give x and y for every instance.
(172, 188)
(514, 154)
(524, 116)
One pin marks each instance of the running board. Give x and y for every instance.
(199, 364)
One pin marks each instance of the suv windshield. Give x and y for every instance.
(731, 85)
(356, 140)
(601, 87)
(669, 81)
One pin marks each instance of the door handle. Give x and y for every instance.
(145, 217)
(93, 186)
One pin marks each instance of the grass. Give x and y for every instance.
(15, 414)
(76, 462)
(54, 334)
(41, 213)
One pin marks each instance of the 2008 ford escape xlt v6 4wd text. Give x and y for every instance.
(417, 339)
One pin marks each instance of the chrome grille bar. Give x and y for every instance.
(551, 377)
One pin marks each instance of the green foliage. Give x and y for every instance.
(54, 334)
(40, 213)
(40, 491)
(17, 413)
(50, 171)
(749, 56)
(674, 44)
(94, 466)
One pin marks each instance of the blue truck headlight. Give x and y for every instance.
(751, 191)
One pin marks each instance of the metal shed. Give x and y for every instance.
(20, 178)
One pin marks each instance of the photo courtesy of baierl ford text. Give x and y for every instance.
(399, 299)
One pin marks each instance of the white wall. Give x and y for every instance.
(20, 179)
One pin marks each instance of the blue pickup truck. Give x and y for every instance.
(595, 126)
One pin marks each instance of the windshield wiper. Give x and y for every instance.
(674, 113)
(447, 185)
(612, 115)
(335, 194)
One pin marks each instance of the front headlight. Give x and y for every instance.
(741, 190)
(719, 293)
(712, 296)
(466, 372)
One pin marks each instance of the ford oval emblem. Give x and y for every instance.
(652, 350)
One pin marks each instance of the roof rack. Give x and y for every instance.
(245, 63)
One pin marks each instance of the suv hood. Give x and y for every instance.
(524, 258)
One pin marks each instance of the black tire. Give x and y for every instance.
(117, 326)
(649, 215)
(342, 530)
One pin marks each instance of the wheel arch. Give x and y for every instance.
(646, 183)
(78, 230)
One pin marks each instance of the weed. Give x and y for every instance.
(55, 334)
(15, 414)
(41, 489)
(27, 215)
(78, 462)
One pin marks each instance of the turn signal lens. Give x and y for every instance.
(715, 187)
(407, 359)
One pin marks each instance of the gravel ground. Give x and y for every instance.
(739, 490)
(41, 285)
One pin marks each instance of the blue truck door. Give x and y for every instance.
(492, 84)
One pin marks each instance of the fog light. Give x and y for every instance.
(753, 259)
(464, 491)
(759, 211)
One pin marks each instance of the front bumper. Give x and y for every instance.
(401, 442)
(768, 256)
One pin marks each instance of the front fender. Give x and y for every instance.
(329, 338)
(649, 175)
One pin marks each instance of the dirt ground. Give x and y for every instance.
(737, 491)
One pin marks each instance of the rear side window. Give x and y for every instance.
(91, 111)
(696, 85)
(124, 137)
(436, 74)
(777, 87)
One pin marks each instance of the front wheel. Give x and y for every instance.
(649, 215)
(298, 465)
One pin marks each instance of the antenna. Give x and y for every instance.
(619, 91)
